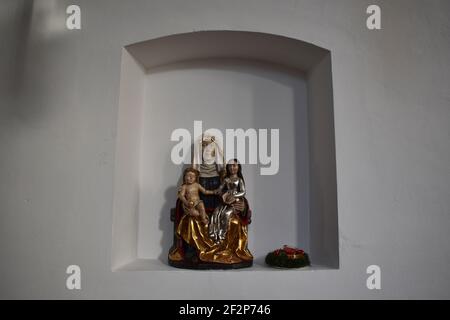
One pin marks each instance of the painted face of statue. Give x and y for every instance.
(190, 178)
(234, 168)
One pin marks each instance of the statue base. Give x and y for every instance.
(199, 265)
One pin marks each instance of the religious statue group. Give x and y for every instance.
(212, 213)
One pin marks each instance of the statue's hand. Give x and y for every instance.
(228, 198)
(239, 206)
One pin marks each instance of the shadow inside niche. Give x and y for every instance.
(18, 27)
(260, 260)
(165, 224)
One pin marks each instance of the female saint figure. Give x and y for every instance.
(234, 191)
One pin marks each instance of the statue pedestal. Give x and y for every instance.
(196, 264)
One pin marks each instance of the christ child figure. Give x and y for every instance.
(189, 195)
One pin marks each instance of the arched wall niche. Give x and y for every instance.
(269, 81)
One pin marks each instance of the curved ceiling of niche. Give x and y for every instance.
(258, 46)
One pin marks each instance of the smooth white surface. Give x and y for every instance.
(151, 265)
(323, 220)
(127, 175)
(202, 45)
(58, 128)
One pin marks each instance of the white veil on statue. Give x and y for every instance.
(208, 156)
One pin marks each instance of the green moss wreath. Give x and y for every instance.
(288, 258)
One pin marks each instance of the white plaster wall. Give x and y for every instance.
(127, 181)
(58, 114)
(322, 171)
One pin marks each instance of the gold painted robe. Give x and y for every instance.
(233, 249)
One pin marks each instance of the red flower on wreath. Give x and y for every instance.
(290, 250)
